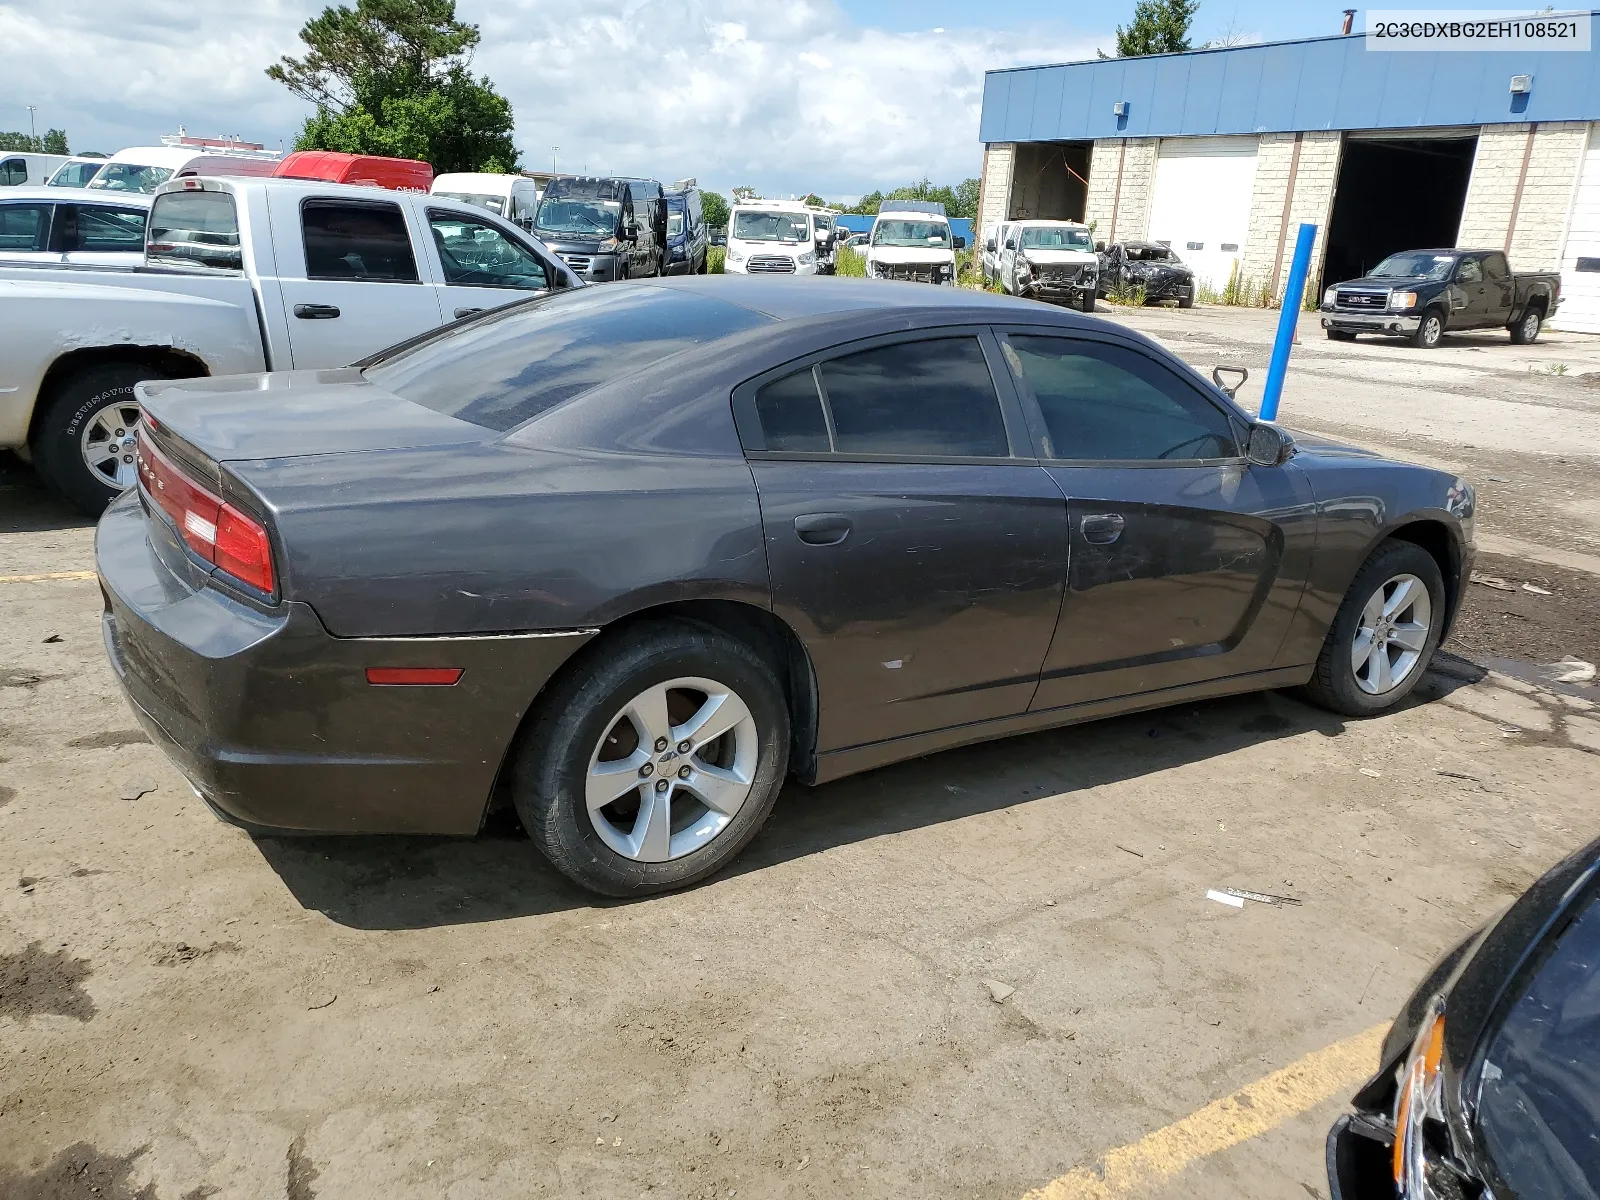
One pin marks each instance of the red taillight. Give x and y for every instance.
(414, 676)
(214, 529)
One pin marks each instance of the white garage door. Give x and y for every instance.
(1201, 206)
(1580, 265)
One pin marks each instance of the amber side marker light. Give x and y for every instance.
(1419, 1098)
(413, 676)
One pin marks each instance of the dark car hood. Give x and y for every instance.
(1383, 283)
(1320, 447)
(1156, 269)
(285, 413)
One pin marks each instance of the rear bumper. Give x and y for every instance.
(272, 720)
(1370, 322)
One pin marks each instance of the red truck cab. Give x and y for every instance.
(397, 174)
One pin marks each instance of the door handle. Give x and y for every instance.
(466, 312)
(316, 312)
(822, 529)
(1101, 529)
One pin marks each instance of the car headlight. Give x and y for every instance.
(735, 255)
(1024, 267)
(806, 256)
(1461, 501)
(1330, 296)
(1420, 1099)
(1401, 300)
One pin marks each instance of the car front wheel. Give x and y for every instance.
(1429, 330)
(656, 763)
(1384, 634)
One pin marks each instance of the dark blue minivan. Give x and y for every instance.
(686, 232)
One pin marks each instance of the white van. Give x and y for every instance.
(514, 197)
(77, 172)
(142, 168)
(911, 240)
(771, 237)
(19, 169)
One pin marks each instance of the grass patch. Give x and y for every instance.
(850, 263)
(716, 260)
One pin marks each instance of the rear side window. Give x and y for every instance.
(24, 227)
(927, 398)
(108, 229)
(362, 242)
(515, 363)
(791, 414)
(1104, 403)
(1494, 265)
(13, 172)
(194, 229)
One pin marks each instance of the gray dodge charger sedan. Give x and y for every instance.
(630, 556)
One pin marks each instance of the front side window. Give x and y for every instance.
(13, 172)
(925, 398)
(357, 241)
(1539, 1098)
(513, 364)
(75, 174)
(102, 228)
(130, 177)
(1470, 271)
(1104, 403)
(194, 228)
(771, 227)
(476, 254)
(933, 234)
(675, 218)
(1056, 239)
(24, 227)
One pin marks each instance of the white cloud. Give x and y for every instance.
(786, 96)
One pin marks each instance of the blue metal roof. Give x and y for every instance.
(1318, 83)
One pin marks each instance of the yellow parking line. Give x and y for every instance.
(47, 575)
(1251, 1111)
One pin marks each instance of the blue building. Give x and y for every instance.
(1222, 153)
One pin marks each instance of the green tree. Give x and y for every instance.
(814, 199)
(868, 205)
(715, 208)
(1158, 27)
(966, 204)
(392, 77)
(744, 193)
(53, 142)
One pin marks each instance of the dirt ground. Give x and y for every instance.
(186, 1013)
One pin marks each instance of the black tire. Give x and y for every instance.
(1526, 331)
(1333, 685)
(1086, 302)
(1186, 301)
(57, 444)
(1341, 335)
(1429, 330)
(552, 761)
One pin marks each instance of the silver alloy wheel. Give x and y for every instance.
(1391, 635)
(1432, 330)
(107, 443)
(671, 769)
(1530, 326)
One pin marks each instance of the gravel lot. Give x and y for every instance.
(187, 1013)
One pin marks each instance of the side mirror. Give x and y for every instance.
(1011, 243)
(1269, 446)
(961, 243)
(989, 245)
(1099, 247)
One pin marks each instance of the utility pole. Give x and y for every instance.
(32, 132)
(554, 150)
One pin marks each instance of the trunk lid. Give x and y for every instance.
(284, 414)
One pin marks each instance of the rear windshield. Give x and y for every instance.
(505, 368)
(194, 229)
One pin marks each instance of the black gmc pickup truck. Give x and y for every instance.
(1418, 294)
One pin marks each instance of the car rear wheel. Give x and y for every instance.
(1429, 330)
(654, 765)
(1384, 634)
(1526, 331)
(84, 447)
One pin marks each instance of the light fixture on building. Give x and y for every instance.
(1521, 85)
(1119, 109)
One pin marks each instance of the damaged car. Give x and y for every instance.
(1125, 266)
(1050, 260)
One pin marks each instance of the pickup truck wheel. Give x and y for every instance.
(1526, 331)
(1429, 330)
(84, 446)
(1341, 335)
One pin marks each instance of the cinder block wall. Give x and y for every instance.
(1547, 193)
(1131, 218)
(994, 195)
(1314, 180)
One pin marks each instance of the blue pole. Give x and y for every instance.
(1288, 317)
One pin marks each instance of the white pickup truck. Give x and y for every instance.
(239, 275)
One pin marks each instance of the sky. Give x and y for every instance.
(839, 97)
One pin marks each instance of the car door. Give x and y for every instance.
(1186, 561)
(25, 232)
(482, 265)
(1008, 258)
(348, 275)
(1469, 299)
(1500, 293)
(913, 543)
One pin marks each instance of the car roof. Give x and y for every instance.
(788, 298)
(494, 179)
(78, 195)
(1054, 224)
